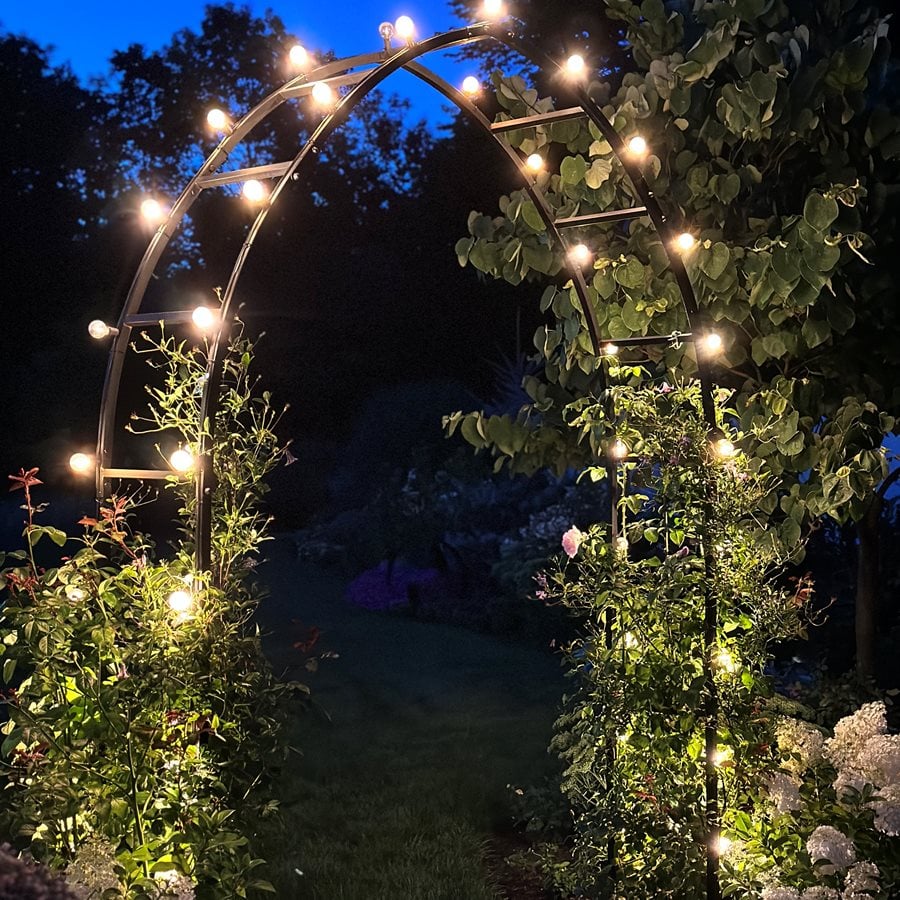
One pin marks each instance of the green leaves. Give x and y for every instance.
(819, 211)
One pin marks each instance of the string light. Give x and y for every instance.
(721, 845)
(725, 448)
(98, 330)
(386, 30)
(322, 94)
(711, 342)
(722, 755)
(180, 601)
(152, 211)
(685, 241)
(725, 661)
(217, 119)
(182, 460)
(580, 254)
(471, 85)
(618, 450)
(254, 191)
(203, 317)
(630, 640)
(492, 9)
(575, 65)
(299, 56)
(81, 463)
(405, 28)
(535, 162)
(610, 350)
(637, 146)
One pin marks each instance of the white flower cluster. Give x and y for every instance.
(93, 871)
(852, 734)
(784, 792)
(779, 892)
(820, 892)
(861, 882)
(833, 846)
(879, 759)
(886, 804)
(175, 886)
(801, 742)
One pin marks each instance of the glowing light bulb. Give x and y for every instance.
(711, 342)
(610, 350)
(637, 146)
(75, 594)
(492, 9)
(299, 56)
(725, 661)
(180, 601)
(618, 450)
(535, 162)
(98, 329)
(254, 191)
(580, 254)
(721, 845)
(575, 65)
(217, 119)
(322, 94)
(630, 640)
(404, 28)
(471, 85)
(181, 460)
(81, 463)
(721, 755)
(386, 30)
(203, 317)
(725, 448)
(152, 211)
(685, 241)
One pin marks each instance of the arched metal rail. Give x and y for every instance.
(364, 73)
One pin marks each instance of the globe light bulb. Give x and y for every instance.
(724, 448)
(618, 450)
(152, 211)
(217, 119)
(630, 640)
(180, 601)
(725, 661)
(610, 350)
(81, 463)
(98, 329)
(471, 85)
(386, 30)
(254, 191)
(580, 254)
(637, 146)
(575, 65)
(721, 845)
(181, 460)
(299, 56)
(203, 317)
(535, 162)
(711, 342)
(492, 9)
(685, 241)
(322, 94)
(721, 755)
(404, 28)
(75, 594)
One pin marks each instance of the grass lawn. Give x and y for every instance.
(402, 785)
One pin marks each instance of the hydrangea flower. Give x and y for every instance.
(852, 733)
(800, 741)
(820, 893)
(887, 810)
(784, 792)
(779, 892)
(879, 759)
(571, 541)
(833, 846)
(862, 882)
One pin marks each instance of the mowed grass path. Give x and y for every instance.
(404, 773)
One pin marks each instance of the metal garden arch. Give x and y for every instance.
(362, 74)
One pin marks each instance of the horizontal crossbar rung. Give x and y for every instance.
(147, 320)
(650, 339)
(598, 218)
(557, 115)
(254, 173)
(139, 474)
(301, 90)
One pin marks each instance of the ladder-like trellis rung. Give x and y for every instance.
(599, 218)
(301, 90)
(651, 339)
(137, 474)
(148, 320)
(254, 173)
(557, 115)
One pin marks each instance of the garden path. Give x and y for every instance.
(401, 791)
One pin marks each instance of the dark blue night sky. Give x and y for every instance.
(86, 33)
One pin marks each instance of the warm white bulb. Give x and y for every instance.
(575, 64)
(637, 145)
(711, 342)
(254, 191)
(299, 56)
(203, 317)
(535, 162)
(217, 119)
(81, 463)
(152, 211)
(725, 448)
(181, 460)
(386, 30)
(721, 755)
(404, 28)
(98, 329)
(180, 601)
(491, 9)
(725, 661)
(618, 450)
(580, 254)
(630, 640)
(323, 94)
(685, 241)
(722, 845)
(471, 85)
(610, 350)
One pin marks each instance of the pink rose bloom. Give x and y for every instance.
(571, 541)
